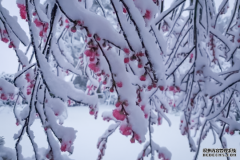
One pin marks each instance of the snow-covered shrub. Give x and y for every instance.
(154, 59)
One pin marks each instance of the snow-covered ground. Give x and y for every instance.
(118, 146)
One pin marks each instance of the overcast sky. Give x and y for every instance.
(8, 59)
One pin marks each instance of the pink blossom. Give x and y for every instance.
(93, 67)
(137, 137)
(161, 88)
(105, 82)
(73, 29)
(142, 107)
(88, 53)
(17, 123)
(11, 95)
(124, 10)
(28, 77)
(80, 23)
(132, 140)
(161, 155)
(140, 54)
(146, 115)
(89, 35)
(118, 103)
(3, 97)
(140, 65)
(41, 33)
(150, 87)
(23, 12)
(159, 120)
(119, 115)
(231, 132)
(5, 40)
(147, 15)
(38, 23)
(34, 13)
(171, 88)
(126, 60)
(125, 103)
(119, 84)
(143, 78)
(111, 89)
(227, 129)
(126, 50)
(191, 55)
(65, 146)
(29, 91)
(98, 38)
(125, 130)
(92, 112)
(45, 27)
